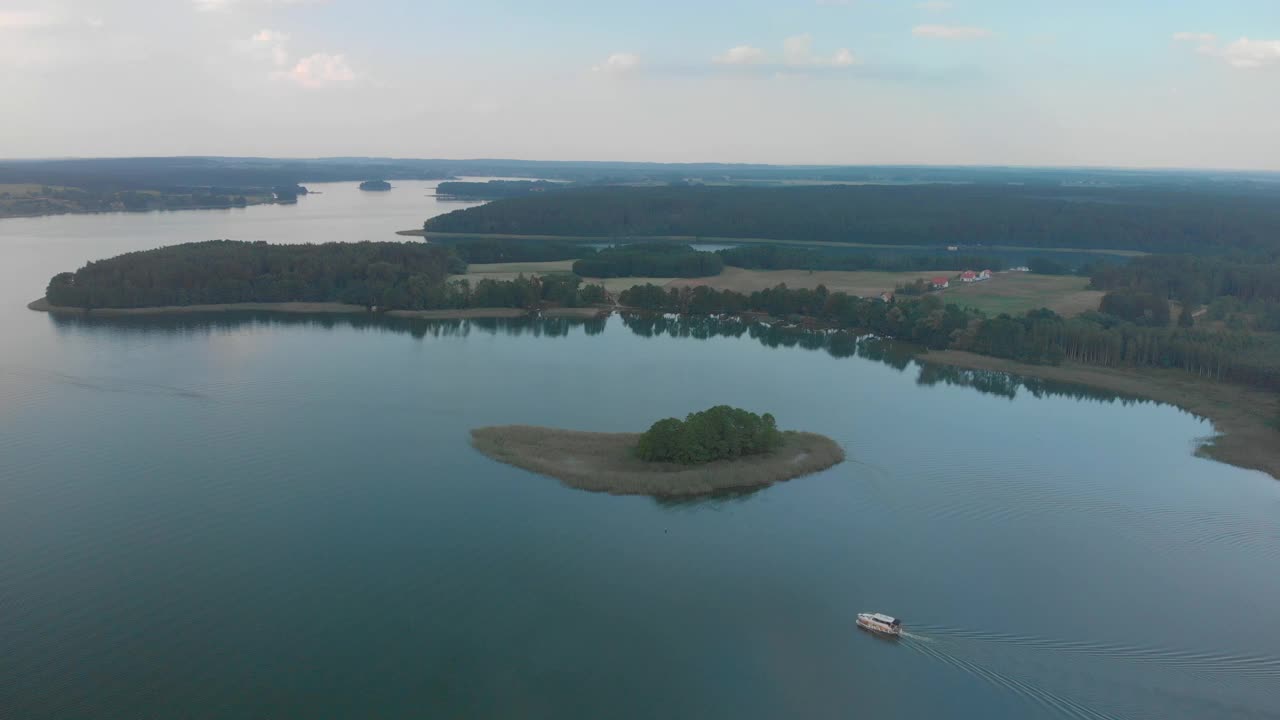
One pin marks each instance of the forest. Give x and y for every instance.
(1154, 219)
(410, 276)
(494, 189)
(649, 260)
(791, 257)
(718, 433)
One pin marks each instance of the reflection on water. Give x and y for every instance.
(836, 343)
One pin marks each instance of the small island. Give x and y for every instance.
(375, 185)
(716, 450)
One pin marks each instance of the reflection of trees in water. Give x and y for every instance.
(214, 323)
(837, 343)
(712, 501)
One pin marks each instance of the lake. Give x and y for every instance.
(257, 516)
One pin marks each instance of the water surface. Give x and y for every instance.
(248, 516)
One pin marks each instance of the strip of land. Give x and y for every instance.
(606, 462)
(743, 241)
(1240, 415)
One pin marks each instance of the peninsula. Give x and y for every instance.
(719, 449)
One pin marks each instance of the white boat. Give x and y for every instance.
(877, 623)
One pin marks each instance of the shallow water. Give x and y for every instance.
(246, 516)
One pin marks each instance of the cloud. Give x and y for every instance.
(274, 42)
(1244, 53)
(935, 5)
(25, 19)
(619, 62)
(951, 32)
(1195, 37)
(321, 70)
(224, 5)
(740, 55)
(797, 52)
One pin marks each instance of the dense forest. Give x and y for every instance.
(20, 201)
(719, 433)
(1038, 337)
(482, 250)
(494, 189)
(649, 260)
(1155, 219)
(1244, 294)
(410, 276)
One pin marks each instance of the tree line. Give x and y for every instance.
(649, 260)
(1151, 218)
(718, 433)
(790, 257)
(1039, 337)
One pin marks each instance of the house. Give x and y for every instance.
(1020, 268)
(968, 276)
(952, 248)
(886, 296)
(940, 283)
(984, 275)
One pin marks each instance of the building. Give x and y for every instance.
(886, 296)
(968, 276)
(984, 275)
(940, 283)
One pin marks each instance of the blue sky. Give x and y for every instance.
(1119, 83)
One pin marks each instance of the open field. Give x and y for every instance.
(1241, 415)
(765, 241)
(863, 283)
(1016, 293)
(605, 462)
(510, 271)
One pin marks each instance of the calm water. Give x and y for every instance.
(255, 517)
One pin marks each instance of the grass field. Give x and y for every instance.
(510, 271)
(863, 283)
(1016, 293)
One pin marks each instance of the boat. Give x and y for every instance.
(882, 624)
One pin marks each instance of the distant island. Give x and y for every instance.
(375, 185)
(719, 449)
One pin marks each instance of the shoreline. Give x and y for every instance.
(605, 462)
(305, 308)
(1240, 415)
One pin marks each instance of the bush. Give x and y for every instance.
(720, 433)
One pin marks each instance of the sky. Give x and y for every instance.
(1134, 83)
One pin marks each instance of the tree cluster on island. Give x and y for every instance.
(408, 276)
(718, 433)
(375, 185)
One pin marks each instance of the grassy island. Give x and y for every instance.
(708, 452)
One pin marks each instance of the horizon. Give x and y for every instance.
(615, 161)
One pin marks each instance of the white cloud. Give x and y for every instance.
(935, 5)
(951, 32)
(321, 70)
(1195, 37)
(223, 5)
(619, 62)
(740, 55)
(1244, 53)
(25, 19)
(273, 42)
(797, 53)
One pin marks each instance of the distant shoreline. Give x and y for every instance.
(305, 308)
(605, 462)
